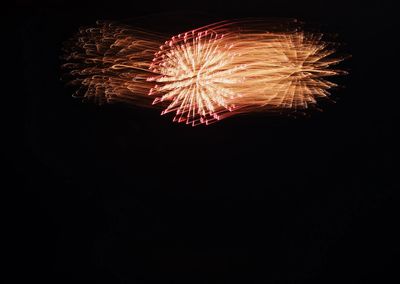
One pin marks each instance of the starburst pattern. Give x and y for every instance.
(197, 71)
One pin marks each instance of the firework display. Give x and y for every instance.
(206, 74)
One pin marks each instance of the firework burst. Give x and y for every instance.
(197, 73)
(110, 62)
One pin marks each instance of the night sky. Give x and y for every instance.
(113, 194)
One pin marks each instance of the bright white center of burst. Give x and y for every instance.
(195, 78)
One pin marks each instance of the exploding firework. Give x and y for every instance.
(206, 74)
(110, 62)
(197, 70)
(236, 67)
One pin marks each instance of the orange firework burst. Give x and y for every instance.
(196, 70)
(206, 74)
(230, 67)
(110, 62)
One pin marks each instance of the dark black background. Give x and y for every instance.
(114, 195)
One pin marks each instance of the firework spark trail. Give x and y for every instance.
(232, 67)
(110, 62)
